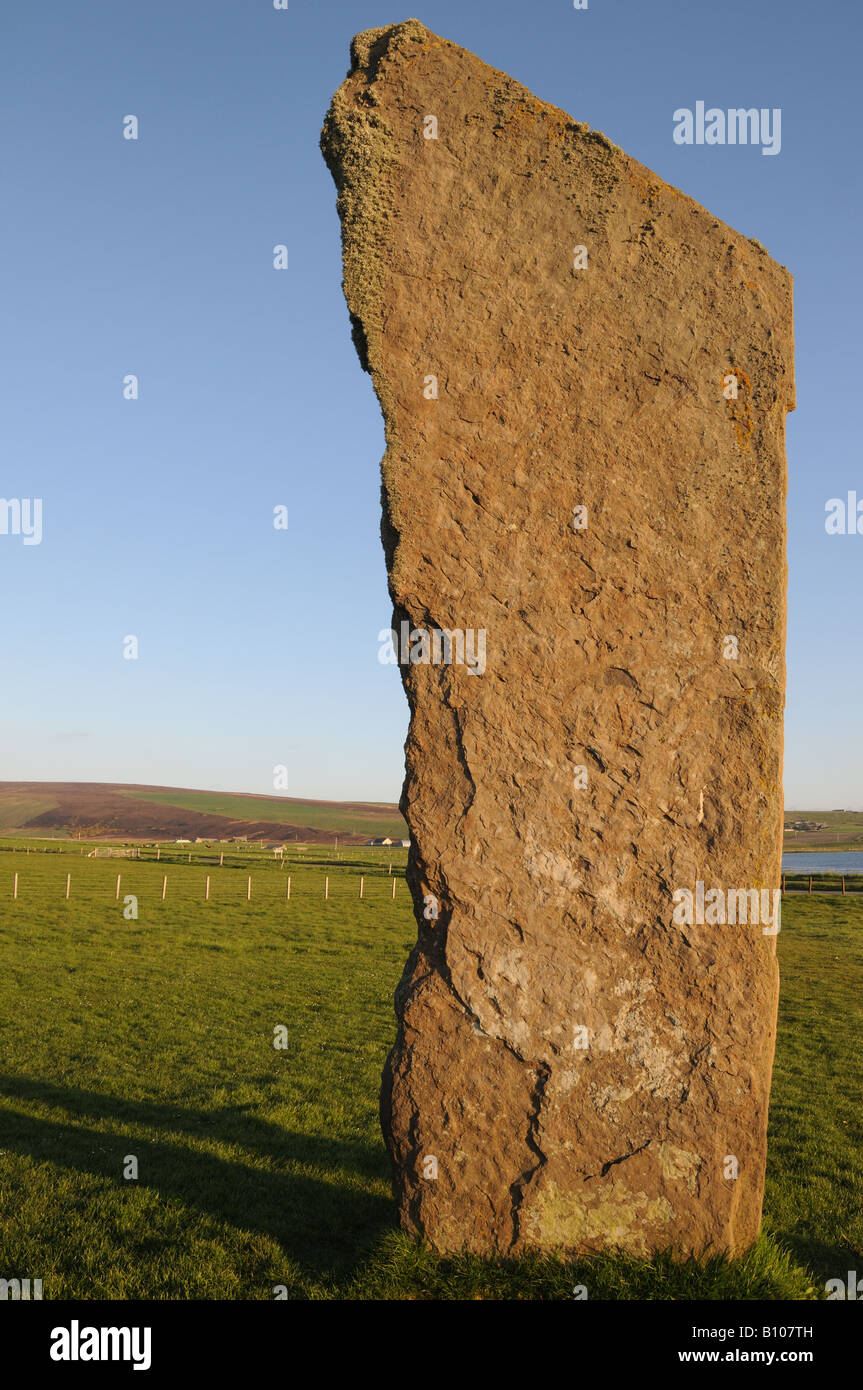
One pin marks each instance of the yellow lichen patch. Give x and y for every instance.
(644, 187)
(522, 118)
(679, 1165)
(615, 1217)
(650, 188)
(556, 130)
(737, 406)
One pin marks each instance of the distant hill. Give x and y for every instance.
(106, 810)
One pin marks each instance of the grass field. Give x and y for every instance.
(260, 1167)
(843, 830)
(356, 818)
(18, 807)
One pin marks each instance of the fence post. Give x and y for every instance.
(190, 856)
(207, 891)
(810, 883)
(221, 859)
(15, 887)
(394, 887)
(783, 883)
(326, 888)
(843, 885)
(158, 854)
(68, 884)
(164, 886)
(288, 889)
(117, 894)
(249, 889)
(361, 885)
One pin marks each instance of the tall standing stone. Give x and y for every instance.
(584, 378)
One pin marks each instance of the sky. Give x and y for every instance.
(258, 647)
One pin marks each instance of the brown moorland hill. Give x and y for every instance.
(105, 810)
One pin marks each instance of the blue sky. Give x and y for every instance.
(154, 257)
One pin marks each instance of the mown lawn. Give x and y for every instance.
(260, 1167)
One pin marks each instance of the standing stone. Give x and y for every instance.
(584, 378)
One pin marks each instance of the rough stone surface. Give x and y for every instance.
(605, 387)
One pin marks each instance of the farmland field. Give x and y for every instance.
(358, 818)
(17, 807)
(106, 810)
(260, 1168)
(843, 830)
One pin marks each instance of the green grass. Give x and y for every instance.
(16, 808)
(259, 1167)
(814, 1200)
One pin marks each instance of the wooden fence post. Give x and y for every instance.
(117, 894)
(843, 885)
(810, 883)
(361, 885)
(326, 888)
(249, 889)
(394, 887)
(15, 887)
(221, 859)
(68, 885)
(207, 890)
(164, 886)
(288, 889)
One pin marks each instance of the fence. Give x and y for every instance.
(317, 890)
(843, 884)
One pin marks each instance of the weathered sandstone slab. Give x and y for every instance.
(584, 377)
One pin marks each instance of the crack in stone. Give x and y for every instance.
(462, 757)
(613, 1161)
(519, 1187)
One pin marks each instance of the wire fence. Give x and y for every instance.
(229, 887)
(843, 884)
(217, 880)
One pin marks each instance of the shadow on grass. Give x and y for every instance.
(832, 1261)
(327, 1223)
